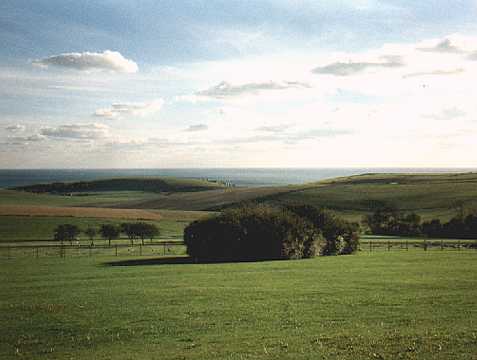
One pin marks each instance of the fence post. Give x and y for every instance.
(389, 245)
(407, 245)
(442, 244)
(36, 252)
(116, 247)
(425, 245)
(370, 246)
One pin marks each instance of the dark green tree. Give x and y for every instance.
(66, 232)
(109, 232)
(91, 233)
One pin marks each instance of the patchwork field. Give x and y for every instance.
(396, 305)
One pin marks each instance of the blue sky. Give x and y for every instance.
(237, 83)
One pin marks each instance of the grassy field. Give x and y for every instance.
(430, 195)
(396, 305)
(98, 199)
(30, 228)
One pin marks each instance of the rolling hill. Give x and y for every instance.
(146, 184)
(431, 195)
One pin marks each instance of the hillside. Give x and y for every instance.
(428, 194)
(431, 195)
(146, 184)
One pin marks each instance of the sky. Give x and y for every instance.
(182, 84)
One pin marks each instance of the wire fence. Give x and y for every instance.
(170, 248)
(422, 244)
(68, 251)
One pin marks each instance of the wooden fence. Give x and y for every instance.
(65, 250)
(167, 248)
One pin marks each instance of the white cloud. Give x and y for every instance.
(134, 109)
(77, 131)
(352, 68)
(106, 61)
(198, 127)
(434, 73)
(273, 128)
(15, 128)
(25, 140)
(446, 114)
(444, 46)
(225, 90)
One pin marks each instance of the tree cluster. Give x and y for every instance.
(138, 230)
(264, 233)
(388, 221)
(66, 232)
(459, 227)
(340, 237)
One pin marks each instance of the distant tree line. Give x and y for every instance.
(120, 184)
(137, 230)
(389, 221)
(258, 232)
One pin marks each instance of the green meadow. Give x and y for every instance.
(137, 304)
(383, 305)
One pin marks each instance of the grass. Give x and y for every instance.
(396, 305)
(98, 199)
(430, 195)
(31, 228)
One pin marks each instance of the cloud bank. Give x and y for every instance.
(434, 73)
(108, 60)
(225, 90)
(444, 46)
(446, 114)
(352, 68)
(198, 127)
(77, 131)
(15, 128)
(136, 109)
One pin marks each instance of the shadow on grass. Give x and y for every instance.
(154, 261)
(176, 260)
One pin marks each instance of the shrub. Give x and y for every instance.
(340, 237)
(251, 233)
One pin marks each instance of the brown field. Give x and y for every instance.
(38, 210)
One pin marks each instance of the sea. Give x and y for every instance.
(238, 176)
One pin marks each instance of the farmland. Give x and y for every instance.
(396, 305)
(391, 301)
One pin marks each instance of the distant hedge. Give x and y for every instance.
(252, 233)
